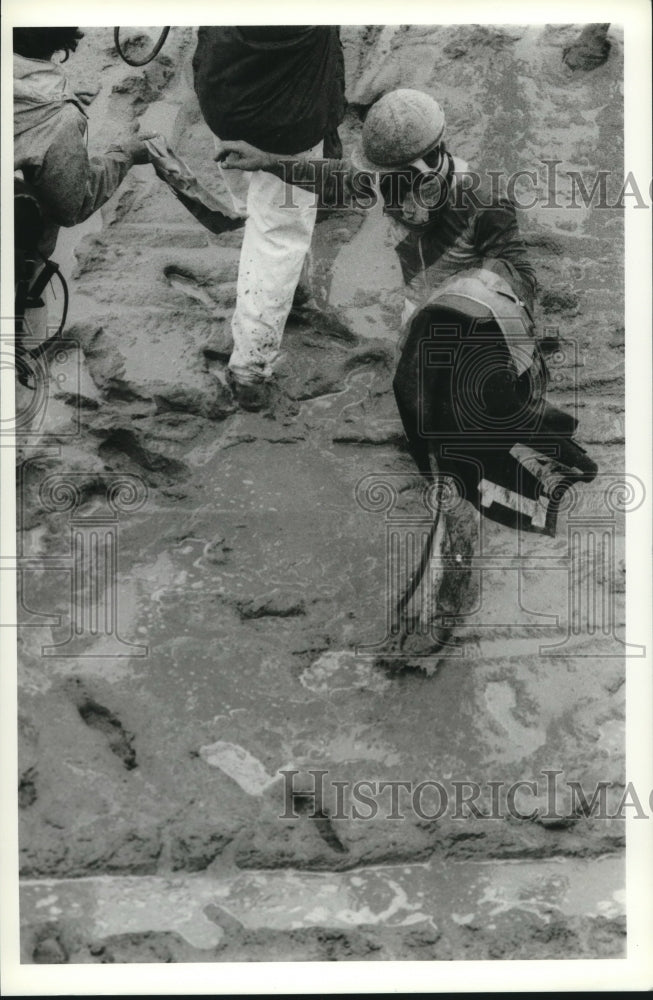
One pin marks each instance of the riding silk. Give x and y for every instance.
(280, 88)
(470, 384)
(470, 388)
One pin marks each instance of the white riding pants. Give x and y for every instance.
(278, 231)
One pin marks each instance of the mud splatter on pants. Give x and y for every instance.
(278, 231)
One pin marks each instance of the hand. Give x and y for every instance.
(137, 149)
(87, 93)
(239, 155)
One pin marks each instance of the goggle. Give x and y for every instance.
(426, 164)
(431, 161)
(420, 186)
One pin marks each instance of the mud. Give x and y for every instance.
(420, 912)
(251, 597)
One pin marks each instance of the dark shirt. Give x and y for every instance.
(279, 88)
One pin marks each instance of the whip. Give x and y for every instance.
(143, 61)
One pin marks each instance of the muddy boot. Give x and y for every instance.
(303, 296)
(438, 594)
(250, 396)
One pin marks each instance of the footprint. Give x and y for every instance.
(189, 285)
(305, 805)
(104, 721)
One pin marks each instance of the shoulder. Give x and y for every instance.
(480, 191)
(66, 151)
(73, 117)
(69, 132)
(67, 126)
(64, 129)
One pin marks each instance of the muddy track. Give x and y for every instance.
(251, 601)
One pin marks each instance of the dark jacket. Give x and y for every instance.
(470, 230)
(279, 88)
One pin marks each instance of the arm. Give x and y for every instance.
(334, 181)
(71, 185)
(497, 236)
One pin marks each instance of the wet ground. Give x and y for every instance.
(429, 904)
(255, 576)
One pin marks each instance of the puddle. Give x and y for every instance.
(368, 262)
